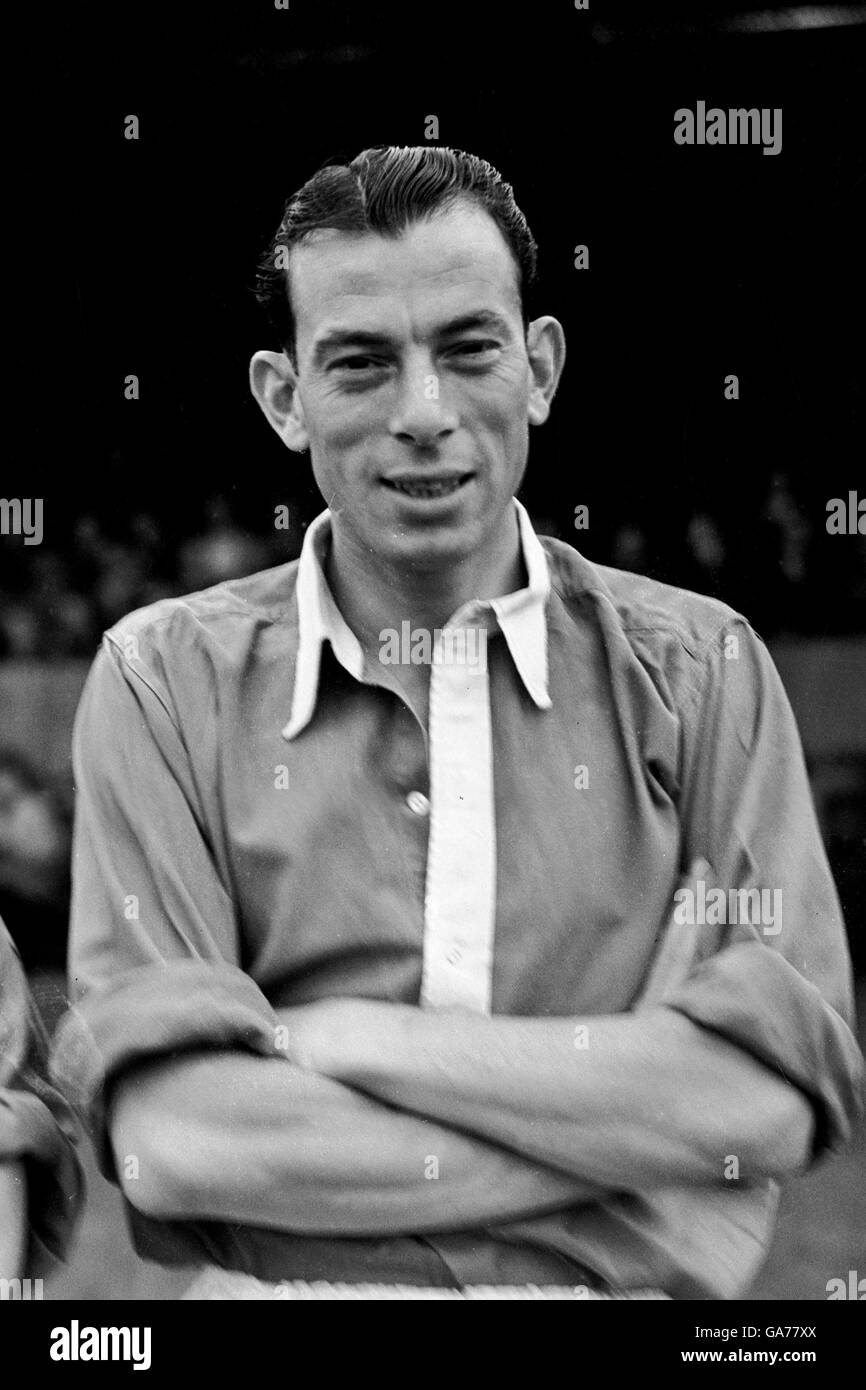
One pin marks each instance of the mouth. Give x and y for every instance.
(429, 488)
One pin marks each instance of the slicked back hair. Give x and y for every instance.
(385, 190)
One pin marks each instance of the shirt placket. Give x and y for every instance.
(460, 896)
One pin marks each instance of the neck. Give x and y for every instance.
(373, 595)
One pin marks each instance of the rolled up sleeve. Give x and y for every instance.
(780, 987)
(154, 952)
(37, 1127)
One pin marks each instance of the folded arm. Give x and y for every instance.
(629, 1102)
(222, 1136)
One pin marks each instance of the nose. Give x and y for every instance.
(422, 415)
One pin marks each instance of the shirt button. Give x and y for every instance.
(417, 802)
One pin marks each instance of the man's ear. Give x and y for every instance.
(274, 383)
(545, 346)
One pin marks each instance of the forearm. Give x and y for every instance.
(13, 1219)
(253, 1140)
(630, 1102)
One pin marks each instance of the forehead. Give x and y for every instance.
(431, 271)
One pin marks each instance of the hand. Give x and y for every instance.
(334, 1037)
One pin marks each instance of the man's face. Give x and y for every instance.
(414, 385)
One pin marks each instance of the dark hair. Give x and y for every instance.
(384, 190)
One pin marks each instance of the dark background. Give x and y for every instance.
(139, 257)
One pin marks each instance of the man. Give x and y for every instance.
(379, 970)
(41, 1185)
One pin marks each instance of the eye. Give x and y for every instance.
(473, 347)
(358, 362)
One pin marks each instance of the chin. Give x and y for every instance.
(426, 557)
(431, 550)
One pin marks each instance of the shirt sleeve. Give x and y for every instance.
(154, 948)
(780, 987)
(37, 1127)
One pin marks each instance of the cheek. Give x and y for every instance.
(501, 400)
(334, 434)
(501, 415)
(338, 423)
(342, 445)
(503, 433)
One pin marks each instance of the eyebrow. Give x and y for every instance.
(337, 338)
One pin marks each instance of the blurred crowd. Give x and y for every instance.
(56, 603)
(783, 571)
(778, 565)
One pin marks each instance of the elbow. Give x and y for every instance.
(153, 1170)
(782, 1144)
(155, 1153)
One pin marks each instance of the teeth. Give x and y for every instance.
(428, 489)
